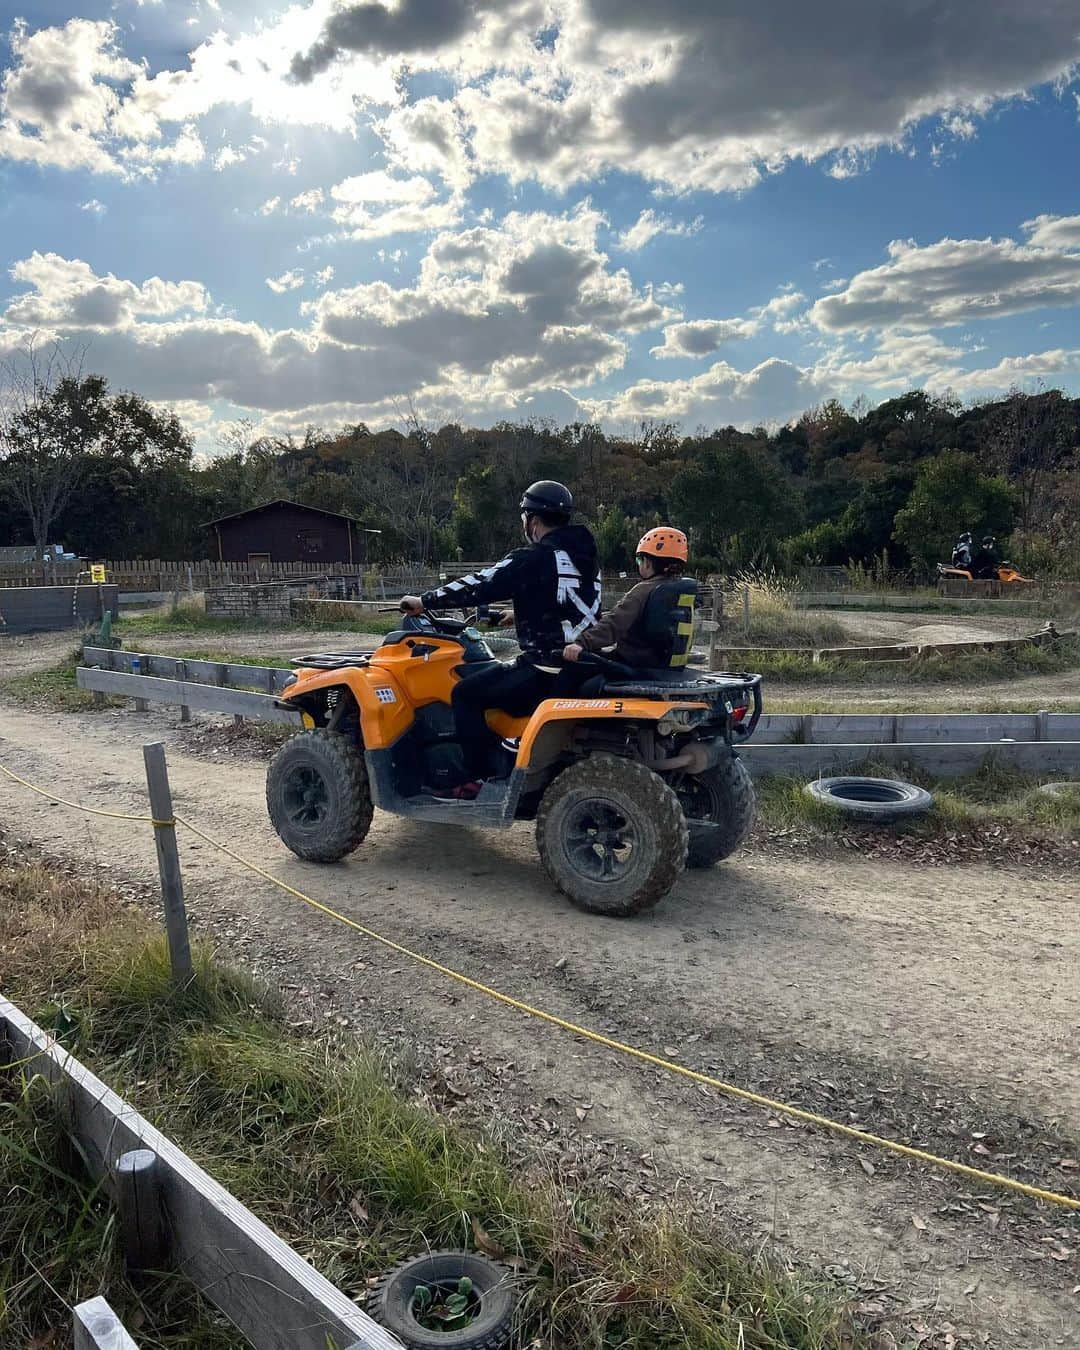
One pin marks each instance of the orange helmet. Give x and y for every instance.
(664, 542)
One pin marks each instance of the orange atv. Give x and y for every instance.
(1005, 572)
(629, 782)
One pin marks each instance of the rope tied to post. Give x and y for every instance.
(595, 1037)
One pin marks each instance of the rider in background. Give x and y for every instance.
(554, 586)
(984, 565)
(650, 628)
(961, 554)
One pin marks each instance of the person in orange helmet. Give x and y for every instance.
(651, 626)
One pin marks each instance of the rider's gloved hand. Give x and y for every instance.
(572, 651)
(412, 604)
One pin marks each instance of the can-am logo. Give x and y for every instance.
(578, 704)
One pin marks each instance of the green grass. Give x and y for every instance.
(192, 618)
(993, 796)
(55, 688)
(342, 1159)
(966, 668)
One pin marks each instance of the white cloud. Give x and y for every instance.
(324, 277)
(648, 225)
(58, 105)
(1013, 371)
(690, 94)
(701, 337)
(288, 281)
(958, 281)
(497, 316)
(899, 361)
(66, 293)
(269, 206)
(1060, 232)
(376, 204)
(772, 391)
(310, 200)
(95, 207)
(63, 105)
(383, 189)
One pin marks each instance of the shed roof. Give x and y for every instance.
(281, 501)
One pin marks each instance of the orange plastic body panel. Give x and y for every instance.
(395, 683)
(592, 710)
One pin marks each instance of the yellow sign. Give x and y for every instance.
(97, 572)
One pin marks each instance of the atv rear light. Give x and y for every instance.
(737, 714)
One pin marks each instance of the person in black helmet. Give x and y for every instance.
(554, 586)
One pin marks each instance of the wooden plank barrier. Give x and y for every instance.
(267, 1290)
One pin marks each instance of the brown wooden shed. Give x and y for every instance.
(285, 532)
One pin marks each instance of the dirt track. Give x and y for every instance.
(938, 1006)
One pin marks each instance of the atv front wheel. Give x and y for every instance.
(611, 835)
(318, 796)
(719, 806)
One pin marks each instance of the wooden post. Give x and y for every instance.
(96, 1327)
(1042, 725)
(172, 886)
(185, 710)
(137, 1180)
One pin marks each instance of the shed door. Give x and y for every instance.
(258, 559)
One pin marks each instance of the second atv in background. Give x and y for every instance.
(982, 563)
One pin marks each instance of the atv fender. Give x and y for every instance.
(552, 724)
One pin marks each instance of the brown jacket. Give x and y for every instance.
(616, 627)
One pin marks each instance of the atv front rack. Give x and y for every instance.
(332, 660)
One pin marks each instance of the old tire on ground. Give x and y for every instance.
(719, 806)
(390, 1302)
(1059, 790)
(871, 798)
(611, 835)
(318, 795)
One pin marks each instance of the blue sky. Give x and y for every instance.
(327, 212)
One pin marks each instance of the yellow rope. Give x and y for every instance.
(596, 1037)
(657, 1061)
(77, 806)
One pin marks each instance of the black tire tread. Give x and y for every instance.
(343, 758)
(733, 813)
(494, 1339)
(660, 804)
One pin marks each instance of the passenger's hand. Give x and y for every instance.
(412, 604)
(508, 620)
(572, 651)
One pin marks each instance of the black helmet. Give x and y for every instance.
(548, 499)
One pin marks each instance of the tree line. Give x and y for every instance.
(110, 475)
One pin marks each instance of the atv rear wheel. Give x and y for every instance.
(611, 835)
(318, 796)
(719, 806)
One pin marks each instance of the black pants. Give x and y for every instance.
(516, 689)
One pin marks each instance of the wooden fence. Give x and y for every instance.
(153, 574)
(266, 1289)
(945, 744)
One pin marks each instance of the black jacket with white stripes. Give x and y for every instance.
(554, 586)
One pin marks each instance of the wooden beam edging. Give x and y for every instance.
(271, 1294)
(943, 760)
(208, 697)
(913, 728)
(96, 1327)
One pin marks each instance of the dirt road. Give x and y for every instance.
(936, 1006)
